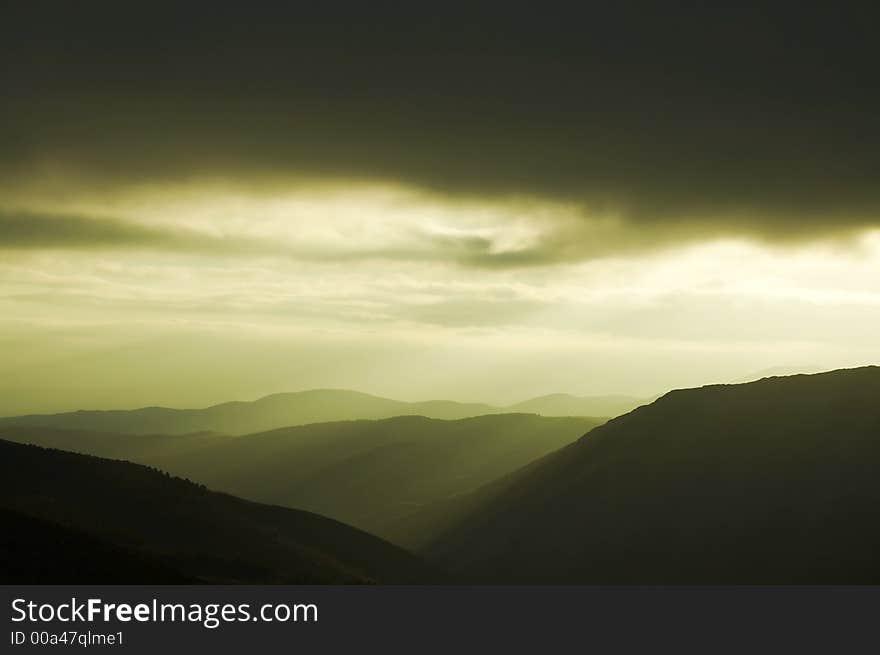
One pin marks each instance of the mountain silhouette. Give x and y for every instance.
(369, 474)
(205, 535)
(769, 482)
(41, 552)
(301, 408)
(780, 371)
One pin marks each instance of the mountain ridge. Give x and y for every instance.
(366, 473)
(295, 408)
(769, 482)
(205, 534)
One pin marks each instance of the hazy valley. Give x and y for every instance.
(370, 474)
(304, 407)
(772, 481)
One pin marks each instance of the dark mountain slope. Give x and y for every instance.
(205, 534)
(33, 551)
(775, 481)
(365, 473)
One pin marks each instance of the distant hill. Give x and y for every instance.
(563, 404)
(203, 534)
(267, 413)
(301, 408)
(370, 474)
(142, 448)
(769, 482)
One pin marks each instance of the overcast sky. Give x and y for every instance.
(205, 204)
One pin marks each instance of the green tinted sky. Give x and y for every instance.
(196, 206)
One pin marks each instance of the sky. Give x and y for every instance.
(217, 203)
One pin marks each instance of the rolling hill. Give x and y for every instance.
(301, 408)
(774, 481)
(205, 535)
(278, 410)
(142, 448)
(370, 474)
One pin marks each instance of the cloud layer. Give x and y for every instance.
(703, 121)
(201, 201)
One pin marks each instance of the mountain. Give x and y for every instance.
(236, 417)
(142, 448)
(304, 407)
(203, 534)
(41, 552)
(769, 482)
(369, 474)
(563, 404)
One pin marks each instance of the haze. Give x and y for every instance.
(432, 212)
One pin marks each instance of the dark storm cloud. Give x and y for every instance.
(685, 118)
